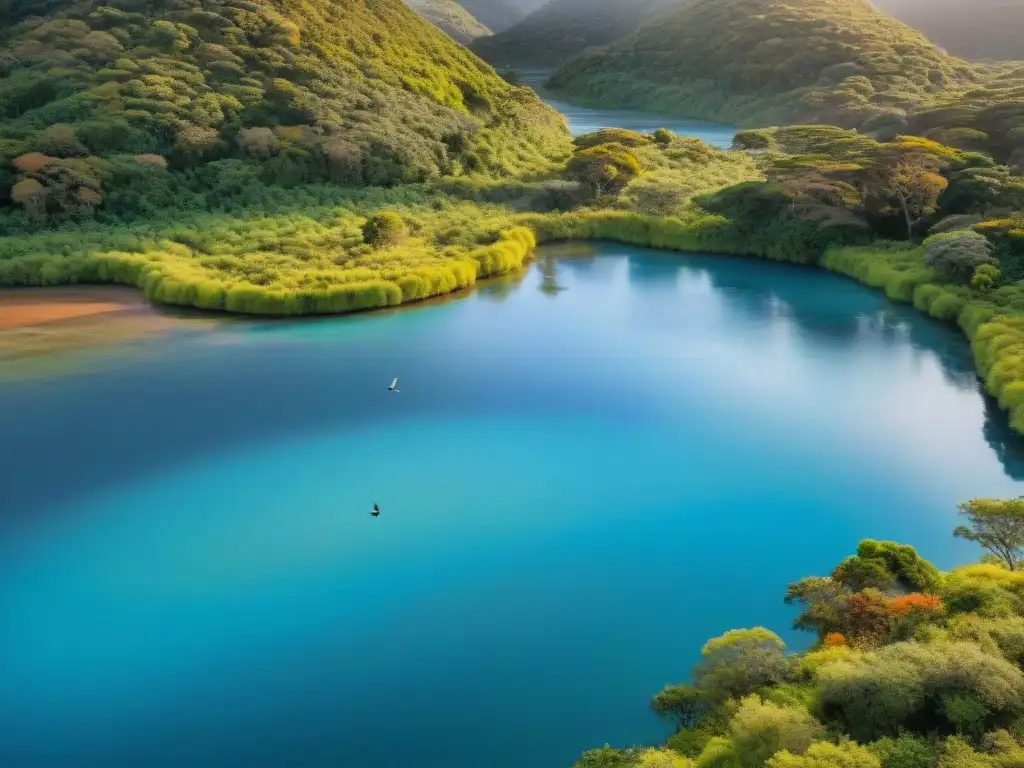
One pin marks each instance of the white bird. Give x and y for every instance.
(394, 385)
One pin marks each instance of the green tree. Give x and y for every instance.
(997, 525)
(986, 277)
(683, 705)
(384, 230)
(906, 180)
(905, 751)
(824, 602)
(740, 662)
(760, 729)
(606, 757)
(823, 754)
(605, 169)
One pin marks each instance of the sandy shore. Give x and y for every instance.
(47, 329)
(20, 308)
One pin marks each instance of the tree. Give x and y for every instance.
(822, 754)
(997, 525)
(760, 729)
(956, 256)
(857, 573)
(683, 705)
(605, 169)
(384, 230)
(740, 662)
(985, 278)
(606, 757)
(824, 601)
(905, 751)
(905, 178)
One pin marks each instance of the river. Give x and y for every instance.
(589, 469)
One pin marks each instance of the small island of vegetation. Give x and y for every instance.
(909, 668)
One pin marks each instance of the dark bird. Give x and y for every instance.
(376, 511)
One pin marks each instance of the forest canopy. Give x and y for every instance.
(771, 62)
(95, 97)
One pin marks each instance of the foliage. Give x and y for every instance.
(683, 705)
(759, 729)
(604, 169)
(771, 62)
(997, 525)
(956, 256)
(905, 751)
(348, 92)
(384, 230)
(740, 662)
(823, 754)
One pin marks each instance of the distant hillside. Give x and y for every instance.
(94, 97)
(451, 18)
(496, 15)
(770, 62)
(979, 29)
(563, 29)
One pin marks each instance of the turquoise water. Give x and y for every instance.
(589, 470)
(588, 119)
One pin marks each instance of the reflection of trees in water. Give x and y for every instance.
(1007, 444)
(762, 292)
(548, 265)
(498, 289)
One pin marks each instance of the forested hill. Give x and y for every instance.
(770, 62)
(498, 15)
(979, 29)
(563, 29)
(95, 96)
(451, 18)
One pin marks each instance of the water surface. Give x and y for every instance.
(588, 119)
(590, 469)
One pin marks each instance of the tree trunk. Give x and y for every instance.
(906, 215)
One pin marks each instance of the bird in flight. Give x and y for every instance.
(394, 385)
(376, 511)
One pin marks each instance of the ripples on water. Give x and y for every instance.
(591, 468)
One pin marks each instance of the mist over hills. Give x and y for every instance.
(975, 29)
(451, 18)
(563, 29)
(770, 62)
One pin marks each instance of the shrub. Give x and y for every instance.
(956, 255)
(760, 729)
(384, 230)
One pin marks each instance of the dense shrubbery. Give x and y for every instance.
(771, 62)
(911, 668)
(97, 99)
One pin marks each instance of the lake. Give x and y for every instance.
(590, 469)
(589, 119)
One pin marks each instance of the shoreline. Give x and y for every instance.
(506, 258)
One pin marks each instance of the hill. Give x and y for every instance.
(770, 62)
(981, 29)
(497, 15)
(451, 18)
(96, 98)
(563, 29)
